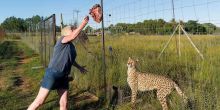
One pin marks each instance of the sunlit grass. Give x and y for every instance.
(199, 79)
(189, 70)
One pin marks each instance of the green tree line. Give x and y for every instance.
(147, 27)
(14, 24)
(161, 27)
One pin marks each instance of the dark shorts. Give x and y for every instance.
(54, 80)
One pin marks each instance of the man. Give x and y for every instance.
(56, 75)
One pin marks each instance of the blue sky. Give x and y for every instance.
(127, 11)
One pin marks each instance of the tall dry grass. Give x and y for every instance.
(198, 78)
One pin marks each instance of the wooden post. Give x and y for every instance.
(179, 52)
(197, 50)
(168, 42)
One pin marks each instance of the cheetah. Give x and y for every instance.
(147, 81)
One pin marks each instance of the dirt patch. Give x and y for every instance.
(84, 101)
(24, 60)
(2, 85)
(17, 81)
(85, 96)
(25, 87)
(15, 78)
(1, 67)
(22, 82)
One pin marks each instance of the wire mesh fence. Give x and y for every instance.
(140, 29)
(42, 38)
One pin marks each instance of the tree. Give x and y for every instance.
(160, 26)
(36, 19)
(13, 24)
(211, 28)
(191, 26)
(196, 28)
(32, 22)
(88, 29)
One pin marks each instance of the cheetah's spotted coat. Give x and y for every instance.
(146, 81)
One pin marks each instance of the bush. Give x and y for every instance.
(13, 36)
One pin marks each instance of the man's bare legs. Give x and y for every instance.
(63, 93)
(39, 100)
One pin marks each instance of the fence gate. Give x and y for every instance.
(48, 39)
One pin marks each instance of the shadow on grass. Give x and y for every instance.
(81, 101)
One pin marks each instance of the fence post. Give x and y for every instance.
(45, 49)
(103, 53)
(54, 29)
(41, 40)
(49, 40)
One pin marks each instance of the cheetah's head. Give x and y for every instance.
(131, 63)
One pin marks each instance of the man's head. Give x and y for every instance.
(96, 13)
(67, 30)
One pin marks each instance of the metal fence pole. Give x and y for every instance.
(49, 39)
(54, 29)
(45, 50)
(103, 52)
(41, 40)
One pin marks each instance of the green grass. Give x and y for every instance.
(199, 79)
(19, 83)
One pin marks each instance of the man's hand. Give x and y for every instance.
(85, 21)
(82, 69)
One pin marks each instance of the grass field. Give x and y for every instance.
(19, 82)
(198, 78)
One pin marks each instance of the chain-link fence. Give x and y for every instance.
(42, 38)
(48, 38)
(141, 30)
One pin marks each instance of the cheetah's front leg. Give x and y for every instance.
(133, 98)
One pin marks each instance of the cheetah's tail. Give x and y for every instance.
(179, 91)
